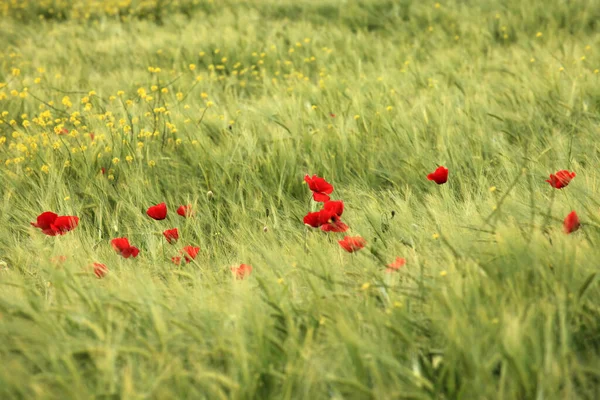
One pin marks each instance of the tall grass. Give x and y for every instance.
(495, 300)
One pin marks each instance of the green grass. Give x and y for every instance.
(495, 300)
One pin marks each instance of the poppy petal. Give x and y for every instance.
(313, 219)
(439, 176)
(320, 197)
(571, 223)
(192, 252)
(320, 188)
(64, 224)
(122, 246)
(185, 211)
(100, 270)
(396, 265)
(119, 244)
(337, 226)
(352, 244)
(336, 206)
(172, 235)
(45, 220)
(561, 179)
(157, 212)
(242, 271)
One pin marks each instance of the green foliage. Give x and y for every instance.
(226, 106)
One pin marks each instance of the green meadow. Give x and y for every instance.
(110, 107)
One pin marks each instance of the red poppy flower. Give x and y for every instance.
(335, 206)
(320, 188)
(332, 115)
(63, 131)
(172, 235)
(158, 212)
(327, 220)
(51, 224)
(100, 270)
(176, 260)
(185, 211)
(439, 176)
(103, 170)
(396, 265)
(571, 223)
(352, 244)
(332, 211)
(92, 136)
(64, 224)
(561, 179)
(332, 223)
(314, 219)
(44, 222)
(122, 246)
(191, 251)
(242, 271)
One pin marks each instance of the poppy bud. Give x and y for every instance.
(209, 194)
(265, 229)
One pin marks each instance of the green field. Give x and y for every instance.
(110, 107)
